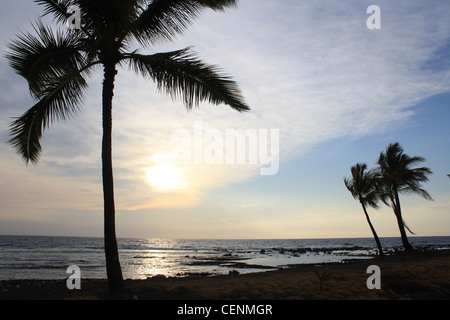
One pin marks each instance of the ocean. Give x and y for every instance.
(45, 257)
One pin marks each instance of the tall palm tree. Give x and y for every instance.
(363, 187)
(398, 176)
(56, 64)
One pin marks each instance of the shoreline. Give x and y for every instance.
(423, 275)
(26, 257)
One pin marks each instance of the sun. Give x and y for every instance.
(165, 177)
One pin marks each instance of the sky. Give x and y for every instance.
(325, 91)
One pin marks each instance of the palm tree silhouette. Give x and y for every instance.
(363, 187)
(56, 63)
(398, 176)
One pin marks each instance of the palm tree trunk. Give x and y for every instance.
(398, 213)
(113, 269)
(377, 240)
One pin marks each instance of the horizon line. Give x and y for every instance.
(220, 239)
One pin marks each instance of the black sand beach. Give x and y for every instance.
(412, 276)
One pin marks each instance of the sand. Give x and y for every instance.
(415, 276)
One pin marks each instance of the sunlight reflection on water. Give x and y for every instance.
(35, 257)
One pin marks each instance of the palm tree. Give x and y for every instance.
(56, 64)
(363, 187)
(398, 176)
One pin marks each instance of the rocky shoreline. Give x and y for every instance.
(420, 275)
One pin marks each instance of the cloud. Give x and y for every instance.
(311, 69)
(230, 220)
(315, 71)
(250, 205)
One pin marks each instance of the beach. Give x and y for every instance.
(423, 275)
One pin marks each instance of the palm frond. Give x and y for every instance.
(163, 19)
(415, 189)
(181, 74)
(114, 17)
(59, 100)
(43, 57)
(396, 169)
(350, 187)
(406, 226)
(384, 190)
(363, 185)
(58, 8)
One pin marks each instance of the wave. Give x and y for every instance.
(49, 257)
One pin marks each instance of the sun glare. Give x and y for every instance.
(164, 177)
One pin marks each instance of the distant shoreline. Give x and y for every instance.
(419, 276)
(224, 239)
(45, 258)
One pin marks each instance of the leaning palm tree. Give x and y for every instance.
(398, 176)
(363, 187)
(56, 64)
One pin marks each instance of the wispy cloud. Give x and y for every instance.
(314, 73)
(250, 205)
(309, 68)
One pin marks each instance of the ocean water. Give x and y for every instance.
(40, 257)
